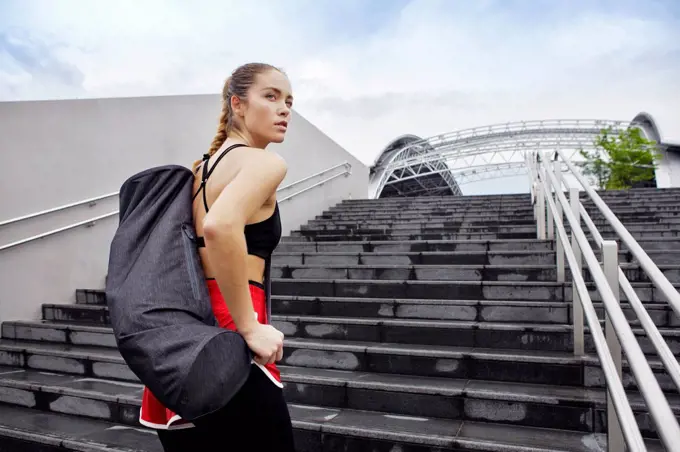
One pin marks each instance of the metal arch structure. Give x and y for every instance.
(431, 178)
(490, 149)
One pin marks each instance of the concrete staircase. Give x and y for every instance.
(412, 324)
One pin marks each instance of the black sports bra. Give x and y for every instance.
(261, 237)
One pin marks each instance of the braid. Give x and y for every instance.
(222, 128)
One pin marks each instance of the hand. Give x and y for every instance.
(266, 342)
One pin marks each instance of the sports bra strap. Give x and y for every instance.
(206, 173)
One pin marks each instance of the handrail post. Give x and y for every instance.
(549, 215)
(541, 204)
(577, 308)
(610, 267)
(561, 273)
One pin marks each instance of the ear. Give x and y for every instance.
(237, 107)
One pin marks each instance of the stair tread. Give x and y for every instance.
(623, 265)
(374, 321)
(128, 392)
(541, 393)
(321, 344)
(434, 301)
(528, 303)
(66, 350)
(449, 282)
(97, 435)
(500, 253)
(74, 432)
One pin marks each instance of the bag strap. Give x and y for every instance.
(206, 173)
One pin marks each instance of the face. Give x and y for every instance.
(266, 113)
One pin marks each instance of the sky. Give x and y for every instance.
(363, 71)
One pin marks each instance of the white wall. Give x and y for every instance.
(58, 152)
(668, 170)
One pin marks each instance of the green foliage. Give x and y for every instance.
(621, 160)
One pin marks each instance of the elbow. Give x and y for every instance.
(219, 230)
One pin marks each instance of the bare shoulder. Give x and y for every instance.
(260, 165)
(251, 179)
(244, 162)
(248, 167)
(256, 156)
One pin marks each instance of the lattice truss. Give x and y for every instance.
(443, 163)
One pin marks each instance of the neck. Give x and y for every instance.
(247, 139)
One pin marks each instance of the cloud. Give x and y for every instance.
(363, 71)
(25, 61)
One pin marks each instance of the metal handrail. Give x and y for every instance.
(662, 348)
(623, 409)
(297, 182)
(655, 275)
(91, 221)
(56, 209)
(667, 425)
(344, 173)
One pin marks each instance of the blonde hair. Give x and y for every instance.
(237, 85)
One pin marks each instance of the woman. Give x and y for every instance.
(237, 221)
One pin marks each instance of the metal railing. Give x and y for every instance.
(347, 172)
(92, 221)
(551, 206)
(90, 201)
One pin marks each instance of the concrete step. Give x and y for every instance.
(484, 334)
(451, 245)
(421, 245)
(297, 236)
(478, 272)
(414, 223)
(520, 214)
(447, 290)
(544, 406)
(632, 225)
(521, 366)
(621, 206)
(315, 429)
(546, 312)
(421, 221)
(440, 290)
(558, 312)
(461, 203)
(424, 228)
(490, 335)
(465, 225)
(91, 314)
(512, 257)
(607, 196)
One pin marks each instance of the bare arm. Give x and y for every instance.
(257, 179)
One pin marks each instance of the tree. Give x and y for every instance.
(621, 159)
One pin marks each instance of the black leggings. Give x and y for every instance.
(255, 419)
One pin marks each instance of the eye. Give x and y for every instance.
(289, 103)
(270, 96)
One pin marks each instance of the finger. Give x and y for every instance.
(279, 354)
(261, 360)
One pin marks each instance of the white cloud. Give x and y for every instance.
(429, 69)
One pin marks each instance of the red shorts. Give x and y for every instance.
(153, 414)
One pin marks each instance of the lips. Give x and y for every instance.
(282, 124)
